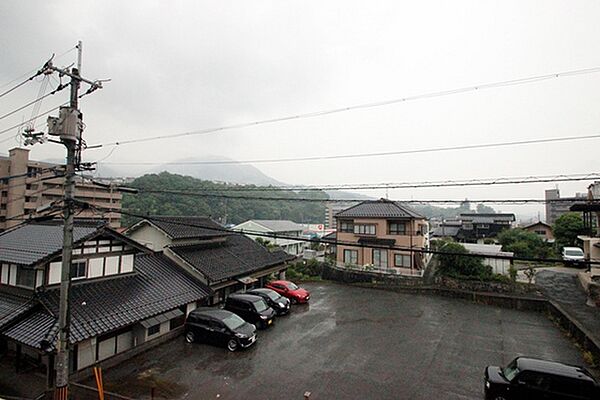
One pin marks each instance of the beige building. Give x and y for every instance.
(543, 230)
(32, 186)
(374, 225)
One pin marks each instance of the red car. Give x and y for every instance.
(290, 290)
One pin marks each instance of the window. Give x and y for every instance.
(542, 233)
(468, 226)
(78, 269)
(25, 277)
(397, 228)
(402, 260)
(484, 226)
(380, 258)
(351, 257)
(176, 322)
(364, 229)
(153, 330)
(347, 227)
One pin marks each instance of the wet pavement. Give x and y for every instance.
(564, 287)
(352, 343)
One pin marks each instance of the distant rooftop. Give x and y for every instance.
(279, 225)
(381, 208)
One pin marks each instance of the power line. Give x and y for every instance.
(365, 155)
(58, 89)
(36, 69)
(511, 82)
(33, 118)
(411, 185)
(334, 242)
(314, 200)
(20, 84)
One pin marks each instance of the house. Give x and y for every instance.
(542, 229)
(119, 301)
(382, 223)
(591, 222)
(491, 254)
(447, 229)
(476, 227)
(329, 241)
(223, 260)
(286, 228)
(35, 185)
(334, 207)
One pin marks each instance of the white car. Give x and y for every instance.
(573, 255)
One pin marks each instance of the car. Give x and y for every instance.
(290, 290)
(219, 327)
(251, 308)
(277, 302)
(532, 378)
(573, 256)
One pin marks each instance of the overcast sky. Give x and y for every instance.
(178, 66)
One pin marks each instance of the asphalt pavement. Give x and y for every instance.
(352, 343)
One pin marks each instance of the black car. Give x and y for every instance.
(531, 378)
(220, 327)
(252, 308)
(277, 302)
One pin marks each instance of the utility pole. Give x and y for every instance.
(68, 126)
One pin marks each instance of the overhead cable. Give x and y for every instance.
(511, 82)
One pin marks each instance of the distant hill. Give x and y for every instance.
(224, 210)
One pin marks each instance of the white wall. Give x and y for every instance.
(150, 237)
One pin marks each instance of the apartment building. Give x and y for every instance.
(334, 207)
(557, 206)
(33, 185)
(382, 223)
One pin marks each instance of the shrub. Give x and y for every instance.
(457, 265)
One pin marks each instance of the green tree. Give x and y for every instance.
(458, 265)
(483, 209)
(566, 228)
(523, 243)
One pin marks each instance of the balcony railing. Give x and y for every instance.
(381, 270)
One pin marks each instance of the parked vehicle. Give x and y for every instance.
(219, 327)
(573, 256)
(290, 290)
(531, 378)
(277, 302)
(251, 308)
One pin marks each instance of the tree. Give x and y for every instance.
(566, 228)
(523, 243)
(457, 265)
(483, 209)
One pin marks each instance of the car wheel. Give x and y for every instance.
(190, 337)
(232, 345)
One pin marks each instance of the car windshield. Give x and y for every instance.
(291, 286)
(511, 370)
(273, 295)
(574, 252)
(260, 305)
(233, 321)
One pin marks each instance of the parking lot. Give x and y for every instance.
(352, 343)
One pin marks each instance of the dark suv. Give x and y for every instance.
(252, 308)
(277, 302)
(531, 378)
(219, 327)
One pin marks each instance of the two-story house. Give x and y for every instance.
(123, 297)
(288, 230)
(476, 227)
(225, 261)
(382, 223)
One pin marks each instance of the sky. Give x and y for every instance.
(180, 66)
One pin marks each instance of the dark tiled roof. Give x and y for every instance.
(13, 304)
(105, 305)
(379, 209)
(30, 243)
(236, 256)
(178, 227)
(487, 217)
